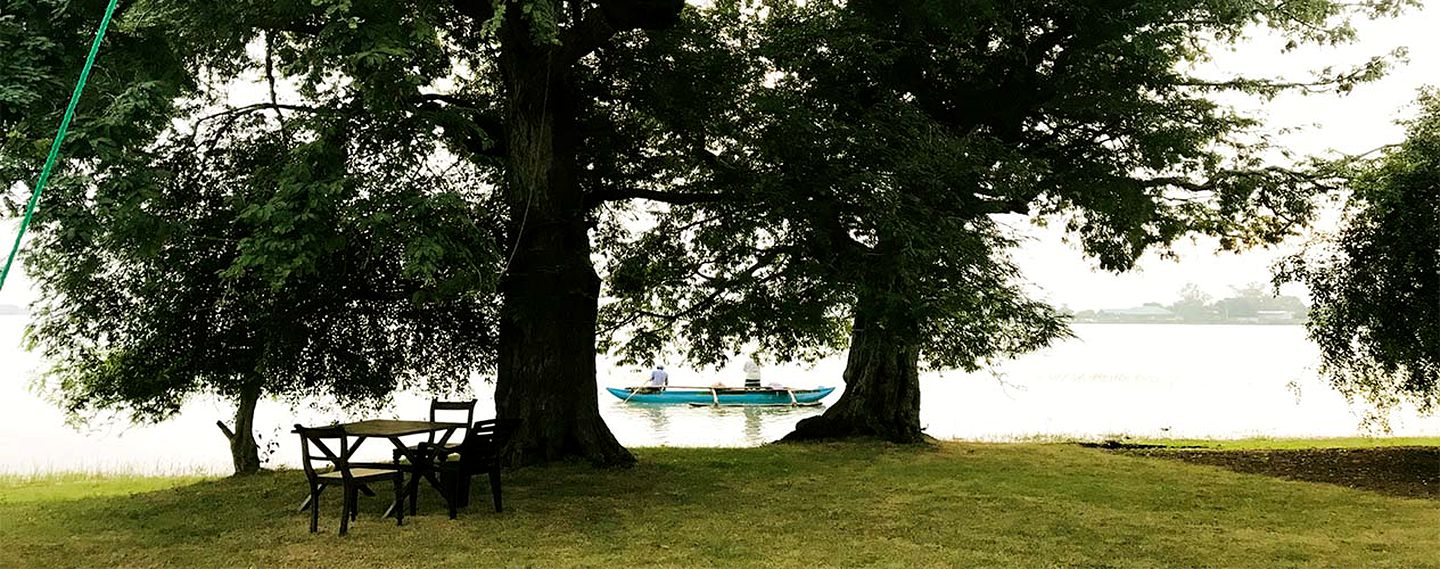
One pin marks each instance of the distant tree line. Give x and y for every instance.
(1250, 304)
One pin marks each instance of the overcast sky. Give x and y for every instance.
(1358, 122)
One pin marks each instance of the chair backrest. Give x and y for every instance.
(451, 407)
(313, 449)
(485, 442)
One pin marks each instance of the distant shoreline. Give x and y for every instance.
(1173, 323)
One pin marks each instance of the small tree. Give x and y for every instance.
(260, 257)
(1375, 284)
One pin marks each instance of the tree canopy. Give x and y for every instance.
(261, 256)
(1375, 283)
(884, 142)
(494, 85)
(829, 169)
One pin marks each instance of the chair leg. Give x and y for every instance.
(345, 512)
(454, 491)
(415, 496)
(399, 495)
(315, 506)
(457, 487)
(495, 487)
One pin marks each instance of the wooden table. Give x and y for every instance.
(393, 430)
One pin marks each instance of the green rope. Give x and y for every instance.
(59, 138)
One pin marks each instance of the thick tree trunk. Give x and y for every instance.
(243, 451)
(882, 383)
(546, 374)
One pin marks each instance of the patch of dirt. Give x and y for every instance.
(1112, 444)
(1410, 472)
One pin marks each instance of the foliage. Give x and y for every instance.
(1375, 284)
(199, 240)
(296, 257)
(480, 88)
(821, 157)
(129, 97)
(876, 152)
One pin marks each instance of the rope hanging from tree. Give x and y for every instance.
(59, 138)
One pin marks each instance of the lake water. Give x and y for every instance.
(1132, 379)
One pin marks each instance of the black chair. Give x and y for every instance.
(436, 407)
(480, 451)
(351, 477)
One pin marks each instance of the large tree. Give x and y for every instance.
(886, 137)
(1375, 283)
(498, 80)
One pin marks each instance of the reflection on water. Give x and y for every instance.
(643, 424)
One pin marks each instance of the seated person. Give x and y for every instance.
(659, 379)
(752, 373)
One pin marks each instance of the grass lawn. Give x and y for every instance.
(957, 504)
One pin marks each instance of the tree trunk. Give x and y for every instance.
(243, 450)
(546, 372)
(882, 381)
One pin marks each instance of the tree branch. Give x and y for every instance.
(480, 11)
(674, 198)
(611, 17)
(492, 127)
(586, 36)
(1003, 206)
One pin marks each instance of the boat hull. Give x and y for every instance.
(725, 396)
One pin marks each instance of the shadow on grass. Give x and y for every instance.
(1407, 472)
(664, 479)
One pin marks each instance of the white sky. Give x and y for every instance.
(1355, 123)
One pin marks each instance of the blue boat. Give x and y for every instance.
(723, 396)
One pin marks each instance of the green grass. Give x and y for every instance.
(969, 505)
(65, 487)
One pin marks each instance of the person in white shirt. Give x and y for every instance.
(659, 377)
(752, 373)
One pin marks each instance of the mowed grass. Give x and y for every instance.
(956, 504)
(48, 488)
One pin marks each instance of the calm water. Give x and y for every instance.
(1144, 380)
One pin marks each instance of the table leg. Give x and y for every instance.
(420, 467)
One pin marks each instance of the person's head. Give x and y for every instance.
(660, 367)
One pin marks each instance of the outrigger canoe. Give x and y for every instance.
(721, 395)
